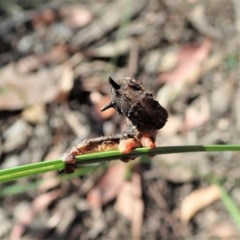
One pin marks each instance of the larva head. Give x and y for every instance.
(124, 93)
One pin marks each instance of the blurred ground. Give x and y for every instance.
(55, 58)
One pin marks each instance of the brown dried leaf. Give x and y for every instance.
(129, 204)
(39, 204)
(198, 200)
(56, 54)
(18, 90)
(108, 186)
(65, 83)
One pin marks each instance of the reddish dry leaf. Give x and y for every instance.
(190, 59)
(198, 200)
(41, 202)
(56, 54)
(43, 17)
(130, 205)
(99, 101)
(196, 116)
(224, 230)
(28, 64)
(76, 15)
(108, 186)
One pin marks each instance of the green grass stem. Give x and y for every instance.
(57, 164)
(230, 205)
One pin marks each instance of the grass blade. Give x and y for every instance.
(58, 164)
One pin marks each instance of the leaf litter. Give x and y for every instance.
(54, 68)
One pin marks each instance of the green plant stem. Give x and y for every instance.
(229, 203)
(58, 164)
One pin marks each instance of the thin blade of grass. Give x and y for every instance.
(58, 164)
(230, 205)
